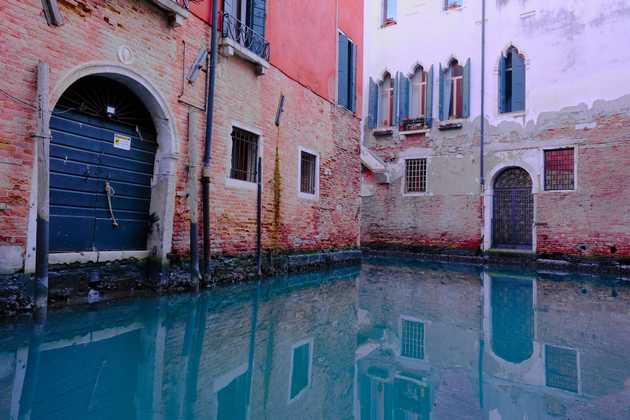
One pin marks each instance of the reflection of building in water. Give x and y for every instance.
(419, 330)
(272, 351)
(551, 350)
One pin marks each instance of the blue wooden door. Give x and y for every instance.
(90, 155)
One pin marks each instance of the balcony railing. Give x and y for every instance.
(242, 34)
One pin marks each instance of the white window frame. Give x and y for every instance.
(575, 167)
(238, 183)
(300, 343)
(301, 194)
(404, 176)
(379, 112)
(425, 324)
(578, 364)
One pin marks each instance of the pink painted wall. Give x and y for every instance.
(303, 37)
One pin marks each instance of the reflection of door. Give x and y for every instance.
(513, 210)
(102, 153)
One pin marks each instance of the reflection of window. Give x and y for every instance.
(411, 400)
(412, 340)
(559, 168)
(300, 369)
(561, 368)
(233, 399)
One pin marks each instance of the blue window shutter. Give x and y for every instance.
(342, 71)
(372, 104)
(403, 98)
(502, 99)
(396, 95)
(428, 100)
(258, 15)
(442, 81)
(353, 77)
(466, 90)
(518, 82)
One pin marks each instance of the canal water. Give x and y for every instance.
(392, 339)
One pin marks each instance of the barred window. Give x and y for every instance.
(412, 343)
(308, 172)
(244, 155)
(416, 175)
(559, 169)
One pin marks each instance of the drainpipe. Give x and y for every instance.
(259, 219)
(193, 203)
(208, 142)
(483, 92)
(42, 138)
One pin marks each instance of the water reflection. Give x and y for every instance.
(395, 340)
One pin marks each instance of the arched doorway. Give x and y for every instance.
(102, 155)
(512, 210)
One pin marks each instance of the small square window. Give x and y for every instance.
(412, 343)
(244, 155)
(559, 169)
(300, 369)
(415, 176)
(389, 12)
(308, 173)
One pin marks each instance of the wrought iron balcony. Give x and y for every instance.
(243, 35)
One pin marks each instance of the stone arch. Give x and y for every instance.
(163, 185)
(489, 195)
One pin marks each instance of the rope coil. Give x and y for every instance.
(109, 190)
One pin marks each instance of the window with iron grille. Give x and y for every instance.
(559, 169)
(416, 175)
(308, 173)
(412, 343)
(244, 155)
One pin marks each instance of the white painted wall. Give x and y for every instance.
(577, 51)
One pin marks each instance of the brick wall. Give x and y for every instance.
(94, 32)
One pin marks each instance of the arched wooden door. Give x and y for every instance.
(102, 154)
(513, 210)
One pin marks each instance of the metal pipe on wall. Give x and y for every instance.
(483, 95)
(208, 142)
(42, 139)
(192, 195)
(259, 219)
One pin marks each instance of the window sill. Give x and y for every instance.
(418, 194)
(230, 48)
(240, 185)
(559, 191)
(453, 9)
(383, 131)
(175, 12)
(307, 196)
(411, 132)
(388, 23)
(454, 124)
(515, 114)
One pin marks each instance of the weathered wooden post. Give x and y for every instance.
(42, 138)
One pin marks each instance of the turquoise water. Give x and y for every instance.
(392, 339)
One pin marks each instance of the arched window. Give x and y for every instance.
(512, 82)
(418, 94)
(456, 72)
(386, 101)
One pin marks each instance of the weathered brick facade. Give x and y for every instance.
(98, 36)
(558, 109)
